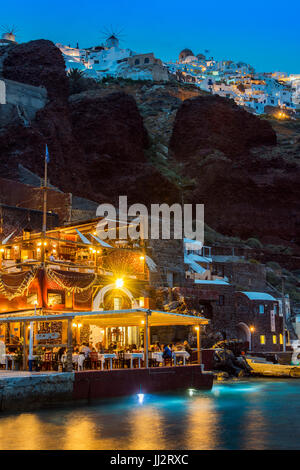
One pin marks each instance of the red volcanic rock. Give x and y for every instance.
(211, 122)
(110, 126)
(38, 63)
(96, 144)
(248, 184)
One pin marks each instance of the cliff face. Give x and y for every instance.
(97, 146)
(38, 63)
(248, 183)
(150, 141)
(209, 123)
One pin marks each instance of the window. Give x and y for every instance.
(281, 339)
(55, 298)
(32, 298)
(275, 309)
(261, 308)
(117, 303)
(137, 61)
(221, 300)
(262, 339)
(274, 339)
(146, 61)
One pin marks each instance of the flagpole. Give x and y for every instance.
(44, 207)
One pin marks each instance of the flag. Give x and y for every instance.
(47, 154)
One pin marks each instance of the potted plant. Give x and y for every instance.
(38, 359)
(19, 359)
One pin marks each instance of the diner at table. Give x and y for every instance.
(88, 356)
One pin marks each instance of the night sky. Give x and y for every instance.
(263, 33)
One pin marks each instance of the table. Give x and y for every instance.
(74, 359)
(157, 355)
(184, 354)
(104, 356)
(10, 357)
(132, 356)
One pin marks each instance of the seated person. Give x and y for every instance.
(187, 347)
(167, 353)
(179, 347)
(85, 349)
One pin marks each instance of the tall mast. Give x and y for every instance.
(44, 228)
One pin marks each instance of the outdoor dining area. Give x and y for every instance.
(102, 340)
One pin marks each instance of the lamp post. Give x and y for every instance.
(252, 329)
(31, 327)
(197, 328)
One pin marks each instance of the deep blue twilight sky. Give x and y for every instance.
(263, 33)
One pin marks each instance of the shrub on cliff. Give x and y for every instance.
(254, 243)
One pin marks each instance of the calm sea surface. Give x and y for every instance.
(260, 414)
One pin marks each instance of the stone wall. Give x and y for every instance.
(35, 391)
(24, 218)
(29, 391)
(22, 195)
(247, 312)
(168, 255)
(30, 98)
(247, 276)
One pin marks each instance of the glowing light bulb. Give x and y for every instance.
(119, 283)
(141, 397)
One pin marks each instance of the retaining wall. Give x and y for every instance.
(35, 391)
(114, 383)
(39, 390)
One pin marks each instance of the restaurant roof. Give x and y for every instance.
(110, 318)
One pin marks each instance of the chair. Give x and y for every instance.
(121, 360)
(81, 360)
(167, 361)
(151, 361)
(55, 361)
(2, 354)
(47, 363)
(94, 360)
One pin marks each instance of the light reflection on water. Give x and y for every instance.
(261, 414)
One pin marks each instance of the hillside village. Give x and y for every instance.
(260, 93)
(227, 279)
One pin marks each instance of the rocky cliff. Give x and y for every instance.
(97, 145)
(248, 183)
(156, 143)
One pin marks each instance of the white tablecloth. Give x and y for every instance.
(131, 356)
(184, 354)
(74, 358)
(157, 355)
(103, 357)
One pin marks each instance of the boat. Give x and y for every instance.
(264, 368)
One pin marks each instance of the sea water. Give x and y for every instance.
(248, 414)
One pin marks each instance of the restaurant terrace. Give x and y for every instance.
(56, 348)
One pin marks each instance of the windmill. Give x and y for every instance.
(112, 37)
(9, 33)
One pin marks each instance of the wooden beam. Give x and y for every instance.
(70, 347)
